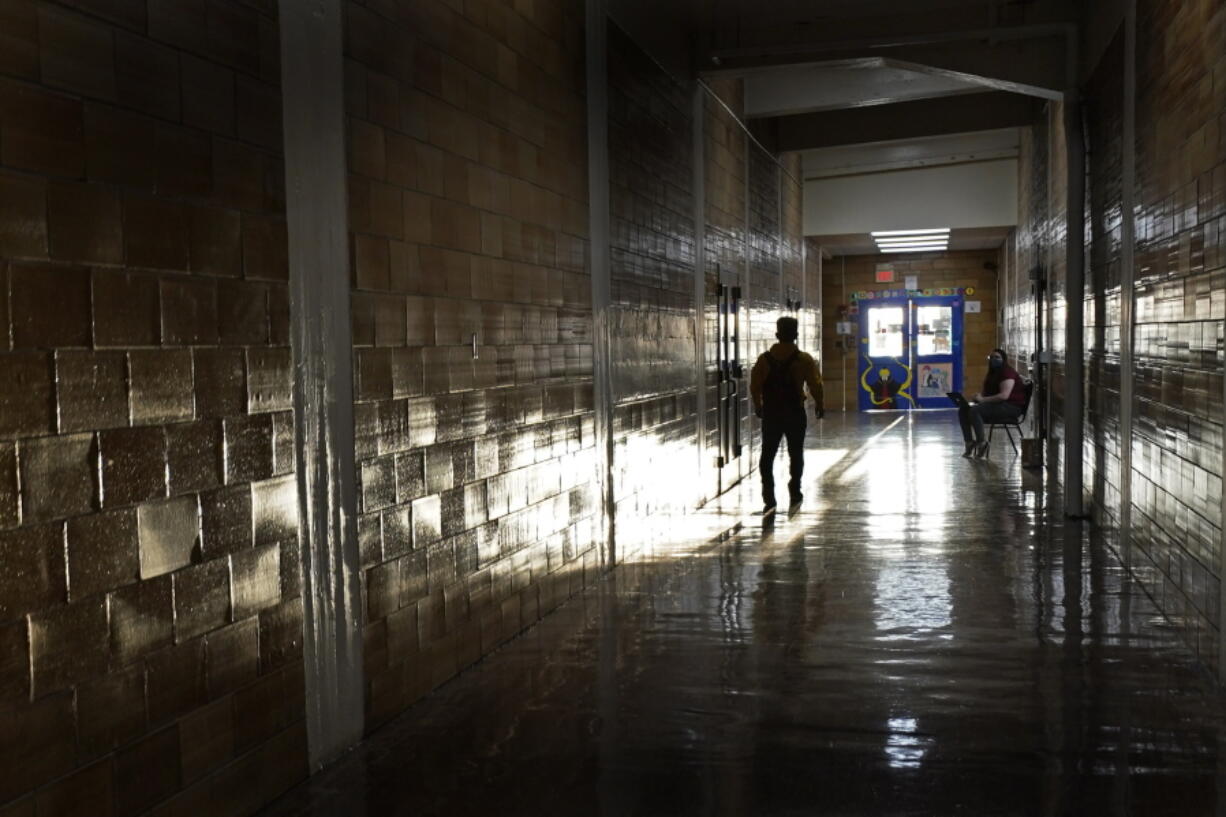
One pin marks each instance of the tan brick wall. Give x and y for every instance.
(1177, 300)
(1180, 304)
(150, 614)
(845, 275)
(468, 216)
(150, 599)
(811, 312)
(725, 187)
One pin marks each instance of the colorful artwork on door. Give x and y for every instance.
(888, 385)
(910, 352)
(935, 379)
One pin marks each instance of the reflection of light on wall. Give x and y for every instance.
(904, 749)
(912, 598)
(654, 488)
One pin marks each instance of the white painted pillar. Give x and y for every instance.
(597, 29)
(316, 207)
(698, 112)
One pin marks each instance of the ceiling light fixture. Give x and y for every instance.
(915, 244)
(934, 232)
(912, 249)
(920, 239)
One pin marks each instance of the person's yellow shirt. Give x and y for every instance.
(804, 371)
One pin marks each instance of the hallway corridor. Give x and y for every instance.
(927, 636)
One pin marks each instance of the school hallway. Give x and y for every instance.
(378, 409)
(928, 635)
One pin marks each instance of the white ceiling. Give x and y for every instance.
(976, 199)
(966, 181)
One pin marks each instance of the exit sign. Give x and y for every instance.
(885, 276)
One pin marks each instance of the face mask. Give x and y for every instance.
(995, 362)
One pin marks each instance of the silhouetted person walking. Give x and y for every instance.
(777, 386)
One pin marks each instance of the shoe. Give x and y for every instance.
(795, 501)
(981, 450)
(970, 450)
(769, 509)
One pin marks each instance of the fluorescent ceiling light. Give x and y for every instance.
(941, 244)
(937, 231)
(911, 249)
(921, 239)
(914, 247)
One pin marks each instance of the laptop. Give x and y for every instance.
(958, 399)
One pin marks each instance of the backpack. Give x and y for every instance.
(779, 393)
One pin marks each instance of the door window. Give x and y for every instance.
(911, 352)
(886, 331)
(934, 330)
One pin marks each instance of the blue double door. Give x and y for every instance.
(910, 352)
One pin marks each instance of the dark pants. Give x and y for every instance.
(974, 416)
(774, 429)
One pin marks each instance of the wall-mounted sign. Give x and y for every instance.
(972, 306)
(885, 276)
(912, 282)
(869, 295)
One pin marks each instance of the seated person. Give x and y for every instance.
(1000, 401)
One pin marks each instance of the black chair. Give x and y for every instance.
(1028, 386)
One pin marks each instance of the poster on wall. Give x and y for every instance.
(972, 306)
(935, 379)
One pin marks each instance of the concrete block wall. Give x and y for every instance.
(651, 316)
(1180, 302)
(651, 137)
(1025, 255)
(150, 614)
(1174, 540)
(773, 197)
(724, 152)
(150, 598)
(472, 330)
(764, 293)
(1104, 231)
(811, 299)
(468, 218)
(792, 243)
(1036, 254)
(844, 275)
(1055, 309)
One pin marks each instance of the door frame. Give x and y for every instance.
(903, 368)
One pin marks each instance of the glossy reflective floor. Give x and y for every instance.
(925, 637)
